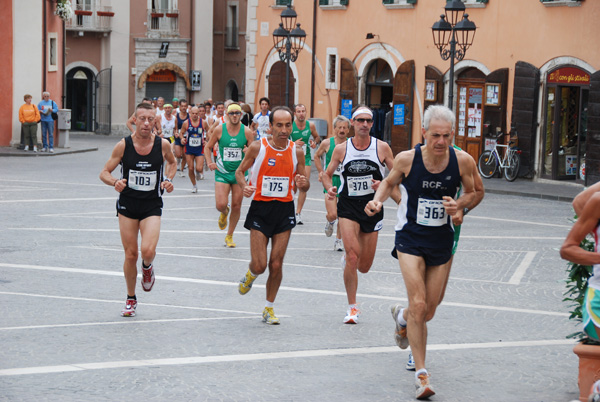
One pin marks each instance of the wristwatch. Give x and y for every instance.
(169, 180)
(465, 211)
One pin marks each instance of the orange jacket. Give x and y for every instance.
(29, 113)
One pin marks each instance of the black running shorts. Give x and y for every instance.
(271, 217)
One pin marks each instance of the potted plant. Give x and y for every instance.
(587, 349)
(63, 9)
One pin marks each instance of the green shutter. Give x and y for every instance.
(283, 2)
(388, 1)
(344, 2)
(323, 2)
(411, 1)
(481, 1)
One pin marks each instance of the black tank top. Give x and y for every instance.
(143, 172)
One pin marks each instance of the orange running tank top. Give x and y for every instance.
(273, 172)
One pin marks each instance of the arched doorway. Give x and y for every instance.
(161, 83)
(469, 111)
(231, 91)
(379, 93)
(80, 98)
(277, 85)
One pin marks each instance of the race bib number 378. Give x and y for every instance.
(360, 185)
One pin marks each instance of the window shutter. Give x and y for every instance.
(344, 2)
(283, 2)
(388, 1)
(323, 2)
(411, 1)
(482, 1)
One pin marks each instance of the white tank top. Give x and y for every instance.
(168, 126)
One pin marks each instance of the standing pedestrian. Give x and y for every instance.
(139, 206)
(47, 108)
(29, 116)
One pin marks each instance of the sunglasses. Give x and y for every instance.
(234, 113)
(361, 121)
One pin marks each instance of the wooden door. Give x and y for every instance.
(403, 95)
(277, 85)
(469, 118)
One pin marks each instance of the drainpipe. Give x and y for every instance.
(44, 48)
(64, 65)
(314, 60)
(192, 36)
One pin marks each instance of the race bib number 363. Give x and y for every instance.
(360, 185)
(141, 181)
(273, 186)
(431, 212)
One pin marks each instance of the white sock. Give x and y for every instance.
(269, 304)
(401, 319)
(351, 306)
(418, 373)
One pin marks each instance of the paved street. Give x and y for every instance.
(498, 336)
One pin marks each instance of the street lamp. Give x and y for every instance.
(288, 39)
(458, 34)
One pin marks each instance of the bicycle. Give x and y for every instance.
(489, 161)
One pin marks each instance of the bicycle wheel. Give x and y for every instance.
(487, 164)
(512, 170)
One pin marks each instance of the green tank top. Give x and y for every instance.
(305, 135)
(336, 181)
(230, 153)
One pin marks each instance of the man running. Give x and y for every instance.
(363, 160)
(278, 164)
(182, 116)
(430, 176)
(302, 131)
(140, 187)
(260, 121)
(232, 139)
(341, 128)
(131, 121)
(168, 124)
(192, 137)
(160, 105)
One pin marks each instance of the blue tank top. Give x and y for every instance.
(195, 136)
(422, 219)
(180, 121)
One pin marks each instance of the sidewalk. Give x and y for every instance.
(544, 189)
(78, 143)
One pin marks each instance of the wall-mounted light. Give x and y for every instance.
(371, 36)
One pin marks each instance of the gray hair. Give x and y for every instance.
(438, 112)
(45, 93)
(342, 119)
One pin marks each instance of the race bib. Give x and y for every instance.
(195, 141)
(338, 170)
(360, 185)
(141, 181)
(274, 186)
(232, 154)
(431, 212)
(167, 132)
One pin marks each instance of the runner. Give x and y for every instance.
(182, 115)
(139, 206)
(302, 132)
(429, 176)
(192, 136)
(277, 162)
(160, 102)
(168, 124)
(260, 121)
(232, 139)
(131, 121)
(363, 160)
(341, 128)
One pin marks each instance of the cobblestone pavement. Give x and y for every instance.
(498, 336)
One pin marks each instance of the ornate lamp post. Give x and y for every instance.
(288, 40)
(458, 35)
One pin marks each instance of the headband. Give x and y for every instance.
(168, 105)
(362, 110)
(233, 107)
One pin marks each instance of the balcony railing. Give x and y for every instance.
(91, 17)
(163, 23)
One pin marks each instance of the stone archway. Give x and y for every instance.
(164, 66)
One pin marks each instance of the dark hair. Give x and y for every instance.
(144, 106)
(278, 108)
(264, 98)
(183, 100)
(219, 103)
(146, 99)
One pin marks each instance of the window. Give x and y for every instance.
(283, 2)
(52, 51)
(332, 68)
(231, 38)
(391, 4)
(333, 2)
(556, 3)
(475, 3)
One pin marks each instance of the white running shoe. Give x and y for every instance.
(410, 364)
(424, 389)
(338, 245)
(26, 148)
(352, 316)
(194, 189)
(299, 219)
(34, 148)
(329, 228)
(181, 174)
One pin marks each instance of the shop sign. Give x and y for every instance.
(162, 76)
(569, 75)
(347, 108)
(399, 114)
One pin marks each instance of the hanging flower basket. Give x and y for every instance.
(105, 13)
(63, 9)
(172, 15)
(157, 15)
(83, 12)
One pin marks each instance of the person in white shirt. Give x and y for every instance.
(260, 121)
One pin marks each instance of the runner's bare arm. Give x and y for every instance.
(585, 224)
(302, 182)
(171, 166)
(466, 167)
(130, 123)
(114, 160)
(336, 158)
(316, 140)
(400, 169)
(323, 148)
(457, 219)
(208, 148)
(582, 198)
(247, 162)
(184, 128)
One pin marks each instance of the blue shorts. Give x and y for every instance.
(178, 141)
(196, 151)
(432, 256)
